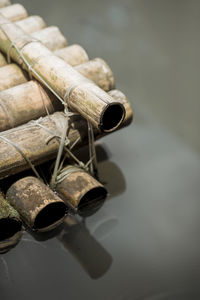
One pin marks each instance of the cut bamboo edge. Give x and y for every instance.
(81, 94)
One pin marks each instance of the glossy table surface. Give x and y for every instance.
(144, 243)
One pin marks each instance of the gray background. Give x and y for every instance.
(150, 225)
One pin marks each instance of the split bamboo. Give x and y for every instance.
(38, 206)
(81, 94)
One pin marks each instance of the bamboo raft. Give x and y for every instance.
(53, 100)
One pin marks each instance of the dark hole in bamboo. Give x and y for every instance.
(49, 215)
(92, 201)
(112, 117)
(8, 228)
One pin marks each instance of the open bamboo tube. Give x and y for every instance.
(10, 225)
(36, 203)
(81, 94)
(81, 191)
(4, 3)
(14, 12)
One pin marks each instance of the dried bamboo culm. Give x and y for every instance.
(73, 55)
(3, 61)
(14, 12)
(31, 24)
(39, 141)
(10, 226)
(80, 190)
(11, 75)
(80, 94)
(38, 206)
(51, 37)
(30, 101)
(4, 3)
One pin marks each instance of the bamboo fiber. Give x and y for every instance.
(31, 24)
(14, 12)
(81, 94)
(36, 203)
(4, 3)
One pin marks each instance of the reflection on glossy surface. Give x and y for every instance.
(76, 238)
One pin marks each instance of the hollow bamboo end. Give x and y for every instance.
(38, 206)
(112, 117)
(81, 191)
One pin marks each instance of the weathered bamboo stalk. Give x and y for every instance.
(14, 12)
(81, 94)
(10, 225)
(37, 143)
(4, 3)
(30, 101)
(51, 37)
(37, 204)
(25, 102)
(98, 71)
(73, 55)
(31, 24)
(11, 75)
(81, 191)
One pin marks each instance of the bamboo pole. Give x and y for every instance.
(30, 101)
(4, 3)
(37, 204)
(98, 71)
(73, 55)
(14, 12)
(31, 24)
(80, 190)
(81, 94)
(51, 37)
(37, 143)
(10, 226)
(11, 75)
